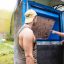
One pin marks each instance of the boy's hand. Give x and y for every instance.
(53, 31)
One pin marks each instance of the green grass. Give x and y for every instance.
(6, 59)
(9, 42)
(6, 53)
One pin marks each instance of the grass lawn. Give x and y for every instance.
(6, 53)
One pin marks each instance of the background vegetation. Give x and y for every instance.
(6, 52)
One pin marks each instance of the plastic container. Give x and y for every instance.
(50, 54)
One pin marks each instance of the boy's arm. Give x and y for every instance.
(59, 33)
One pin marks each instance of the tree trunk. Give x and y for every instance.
(17, 19)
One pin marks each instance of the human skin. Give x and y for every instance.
(26, 41)
(59, 33)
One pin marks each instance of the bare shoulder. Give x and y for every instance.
(28, 32)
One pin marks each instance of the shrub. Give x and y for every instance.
(9, 37)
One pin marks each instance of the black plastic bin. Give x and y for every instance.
(50, 54)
